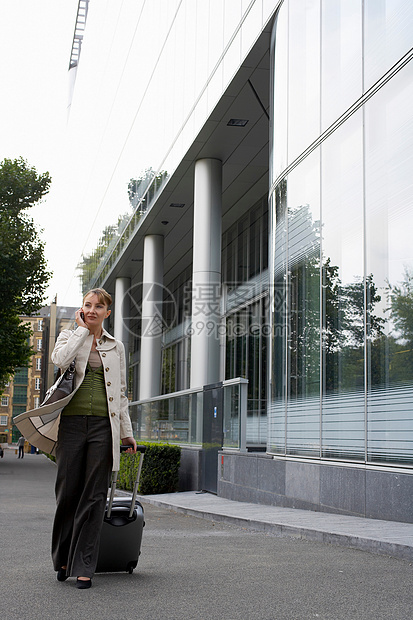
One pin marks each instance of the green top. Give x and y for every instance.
(90, 398)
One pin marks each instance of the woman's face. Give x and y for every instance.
(94, 310)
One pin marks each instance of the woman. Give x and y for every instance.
(88, 442)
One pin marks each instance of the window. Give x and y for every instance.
(17, 410)
(40, 325)
(245, 250)
(39, 344)
(19, 395)
(244, 272)
(21, 376)
(246, 356)
(36, 402)
(4, 401)
(37, 384)
(38, 363)
(4, 419)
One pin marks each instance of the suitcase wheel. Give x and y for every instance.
(130, 567)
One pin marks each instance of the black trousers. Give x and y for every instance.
(84, 465)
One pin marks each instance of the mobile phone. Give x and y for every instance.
(82, 315)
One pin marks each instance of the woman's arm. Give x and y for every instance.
(126, 432)
(67, 345)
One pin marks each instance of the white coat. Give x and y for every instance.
(40, 426)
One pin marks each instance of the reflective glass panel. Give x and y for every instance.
(303, 344)
(343, 292)
(231, 421)
(341, 57)
(173, 419)
(388, 35)
(303, 75)
(389, 191)
(280, 99)
(296, 350)
(280, 323)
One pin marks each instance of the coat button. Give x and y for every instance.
(100, 342)
(107, 369)
(113, 414)
(110, 398)
(108, 383)
(103, 354)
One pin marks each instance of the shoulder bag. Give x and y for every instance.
(64, 385)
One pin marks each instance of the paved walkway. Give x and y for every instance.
(194, 568)
(385, 537)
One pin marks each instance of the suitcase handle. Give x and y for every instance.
(142, 450)
(135, 486)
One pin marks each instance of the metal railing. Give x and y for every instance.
(80, 26)
(177, 417)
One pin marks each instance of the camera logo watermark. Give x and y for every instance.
(151, 310)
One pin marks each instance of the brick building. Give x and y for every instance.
(27, 387)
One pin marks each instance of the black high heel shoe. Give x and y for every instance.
(83, 584)
(62, 574)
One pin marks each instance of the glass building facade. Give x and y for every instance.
(342, 258)
(296, 116)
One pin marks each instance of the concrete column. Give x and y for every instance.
(122, 313)
(151, 334)
(206, 276)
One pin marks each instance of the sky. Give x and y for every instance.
(35, 45)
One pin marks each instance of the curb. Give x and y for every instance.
(313, 534)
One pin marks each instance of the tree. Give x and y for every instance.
(107, 241)
(141, 193)
(401, 319)
(23, 272)
(401, 307)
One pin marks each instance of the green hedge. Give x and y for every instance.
(159, 471)
(49, 456)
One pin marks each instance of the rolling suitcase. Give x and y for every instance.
(121, 536)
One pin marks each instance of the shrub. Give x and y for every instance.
(49, 456)
(159, 471)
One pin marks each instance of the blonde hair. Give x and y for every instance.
(103, 296)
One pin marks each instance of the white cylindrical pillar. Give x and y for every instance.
(122, 312)
(206, 275)
(151, 319)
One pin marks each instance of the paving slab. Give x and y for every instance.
(378, 536)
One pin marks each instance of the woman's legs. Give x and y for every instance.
(84, 457)
(91, 507)
(70, 452)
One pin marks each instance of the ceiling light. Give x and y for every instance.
(237, 122)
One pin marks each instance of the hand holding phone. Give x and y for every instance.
(80, 316)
